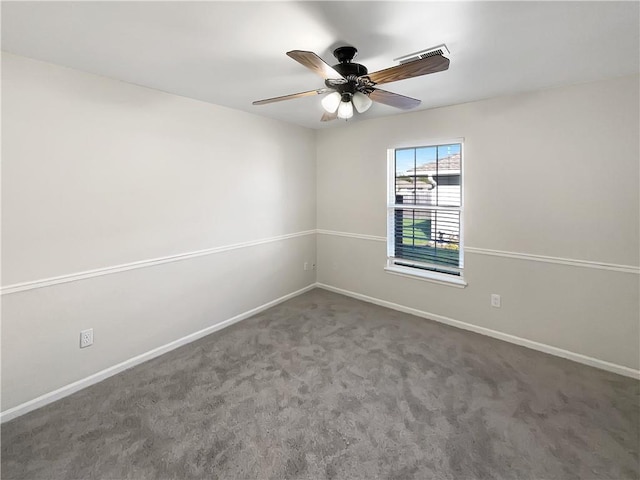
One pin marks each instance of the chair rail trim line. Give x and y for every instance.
(72, 277)
(505, 254)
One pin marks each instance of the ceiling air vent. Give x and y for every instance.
(429, 52)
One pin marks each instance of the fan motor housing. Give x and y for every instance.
(348, 69)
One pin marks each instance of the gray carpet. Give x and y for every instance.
(324, 386)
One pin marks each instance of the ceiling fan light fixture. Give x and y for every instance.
(331, 102)
(350, 86)
(345, 110)
(362, 102)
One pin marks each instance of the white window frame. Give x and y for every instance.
(418, 273)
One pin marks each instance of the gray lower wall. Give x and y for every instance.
(135, 311)
(562, 306)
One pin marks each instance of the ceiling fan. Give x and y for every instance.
(352, 86)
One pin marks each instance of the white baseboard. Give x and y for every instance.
(67, 390)
(541, 347)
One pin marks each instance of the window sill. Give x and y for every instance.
(433, 277)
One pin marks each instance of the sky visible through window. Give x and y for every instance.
(409, 158)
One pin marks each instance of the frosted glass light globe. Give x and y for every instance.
(331, 102)
(345, 110)
(362, 102)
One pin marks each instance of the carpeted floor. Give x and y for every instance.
(324, 386)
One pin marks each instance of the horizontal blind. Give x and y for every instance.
(426, 214)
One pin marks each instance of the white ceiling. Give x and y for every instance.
(231, 53)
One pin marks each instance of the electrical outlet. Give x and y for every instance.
(86, 338)
(306, 265)
(313, 266)
(495, 300)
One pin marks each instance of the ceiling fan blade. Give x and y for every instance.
(424, 66)
(393, 99)
(293, 95)
(327, 117)
(315, 63)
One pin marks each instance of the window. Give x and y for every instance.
(424, 234)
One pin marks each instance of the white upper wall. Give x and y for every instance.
(100, 173)
(551, 173)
